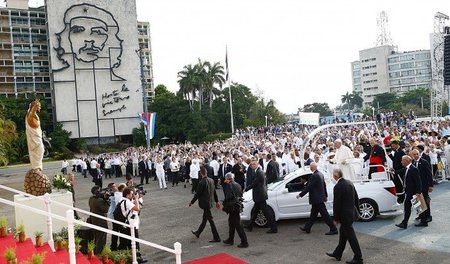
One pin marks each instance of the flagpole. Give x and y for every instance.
(229, 91)
(144, 94)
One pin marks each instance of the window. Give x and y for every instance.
(394, 74)
(423, 79)
(423, 71)
(393, 59)
(394, 67)
(423, 56)
(407, 65)
(406, 57)
(407, 80)
(394, 82)
(423, 63)
(407, 73)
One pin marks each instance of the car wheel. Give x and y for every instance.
(367, 210)
(261, 219)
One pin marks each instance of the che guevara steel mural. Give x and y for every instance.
(88, 60)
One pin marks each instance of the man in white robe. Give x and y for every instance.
(343, 155)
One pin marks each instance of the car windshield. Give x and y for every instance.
(277, 182)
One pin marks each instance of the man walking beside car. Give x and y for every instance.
(317, 190)
(259, 194)
(345, 212)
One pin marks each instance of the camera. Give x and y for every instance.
(104, 193)
(139, 189)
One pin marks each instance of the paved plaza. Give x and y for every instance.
(166, 218)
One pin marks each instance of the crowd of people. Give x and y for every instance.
(256, 157)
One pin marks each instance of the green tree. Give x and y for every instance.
(386, 101)
(415, 97)
(356, 99)
(322, 108)
(7, 136)
(346, 98)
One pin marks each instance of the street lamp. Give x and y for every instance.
(266, 119)
(373, 112)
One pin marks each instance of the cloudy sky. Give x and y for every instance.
(295, 52)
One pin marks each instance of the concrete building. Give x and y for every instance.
(374, 74)
(24, 64)
(409, 70)
(382, 69)
(146, 45)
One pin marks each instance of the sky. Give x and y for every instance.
(294, 52)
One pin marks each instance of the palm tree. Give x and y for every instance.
(214, 75)
(346, 98)
(187, 79)
(357, 99)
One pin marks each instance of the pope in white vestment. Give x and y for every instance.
(343, 154)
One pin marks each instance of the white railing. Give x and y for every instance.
(70, 219)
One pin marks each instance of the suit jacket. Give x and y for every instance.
(205, 194)
(221, 174)
(426, 176)
(259, 186)
(316, 188)
(142, 167)
(239, 176)
(249, 176)
(98, 206)
(397, 159)
(412, 181)
(345, 202)
(426, 157)
(210, 171)
(273, 171)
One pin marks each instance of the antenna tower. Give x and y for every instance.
(437, 65)
(384, 34)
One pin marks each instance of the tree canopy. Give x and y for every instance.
(322, 108)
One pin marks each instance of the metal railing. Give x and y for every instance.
(71, 221)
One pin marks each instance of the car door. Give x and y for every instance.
(288, 204)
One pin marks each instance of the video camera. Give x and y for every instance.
(104, 193)
(139, 189)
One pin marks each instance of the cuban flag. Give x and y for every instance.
(149, 123)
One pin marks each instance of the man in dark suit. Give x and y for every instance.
(396, 157)
(273, 169)
(206, 196)
(239, 172)
(345, 211)
(98, 205)
(317, 190)
(143, 169)
(224, 168)
(422, 153)
(259, 195)
(426, 177)
(412, 185)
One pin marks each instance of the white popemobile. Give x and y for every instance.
(377, 196)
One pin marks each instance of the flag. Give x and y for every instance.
(149, 123)
(226, 63)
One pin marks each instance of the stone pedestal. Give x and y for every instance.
(36, 222)
(37, 183)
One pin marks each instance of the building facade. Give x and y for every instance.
(382, 69)
(146, 45)
(25, 66)
(409, 70)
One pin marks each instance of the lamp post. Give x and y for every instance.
(144, 90)
(373, 112)
(266, 119)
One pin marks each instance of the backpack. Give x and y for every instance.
(118, 216)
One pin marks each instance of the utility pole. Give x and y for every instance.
(144, 92)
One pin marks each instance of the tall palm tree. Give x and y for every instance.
(346, 98)
(214, 75)
(357, 99)
(187, 79)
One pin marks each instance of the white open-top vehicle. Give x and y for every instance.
(377, 196)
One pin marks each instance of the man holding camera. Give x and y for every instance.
(99, 204)
(129, 208)
(232, 206)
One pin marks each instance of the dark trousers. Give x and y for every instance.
(427, 214)
(144, 175)
(108, 173)
(269, 216)
(407, 209)
(207, 217)
(315, 210)
(347, 233)
(194, 185)
(114, 238)
(125, 243)
(234, 224)
(174, 178)
(242, 183)
(100, 241)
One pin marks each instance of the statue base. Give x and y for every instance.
(36, 183)
(36, 222)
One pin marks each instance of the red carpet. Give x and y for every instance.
(221, 258)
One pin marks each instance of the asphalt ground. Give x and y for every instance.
(166, 219)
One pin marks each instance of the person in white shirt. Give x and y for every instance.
(135, 161)
(107, 168)
(291, 164)
(174, 170)
(64, 167)
(194, 169)
(159, 166)
(84, 168)
(215, 165)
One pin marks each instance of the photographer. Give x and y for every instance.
(114, 199)
(129, 209)
(232, 205)
(98, 204)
